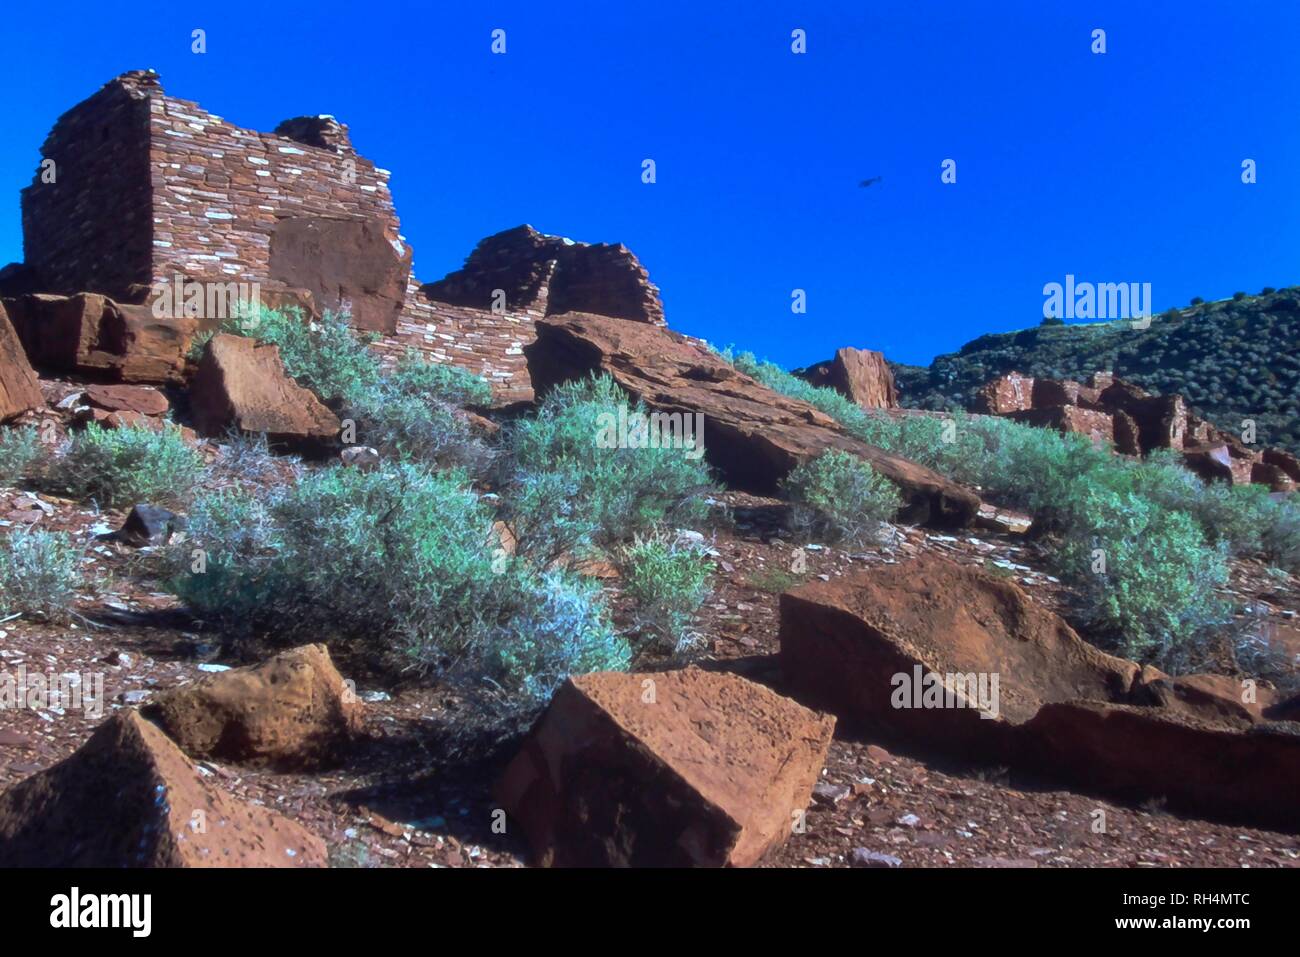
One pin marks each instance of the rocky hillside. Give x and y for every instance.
(1234, 359)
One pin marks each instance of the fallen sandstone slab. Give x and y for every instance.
(241, 383)
(752, 435)
(684, 768)
(1246, 775)
(860, 375)
(130, 798)
(292, 711)
(845, 642)
(949, 658)
(95, 336)
(20, 390)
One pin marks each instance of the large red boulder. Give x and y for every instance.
(753, 435)
(292, 711)
(130, 798)
(140, 399)
(679, 768)
(860, 645)
(94, 336)
(867, 646)
(1195, 765)
(860, 375)
(242, 383)
(20, 391)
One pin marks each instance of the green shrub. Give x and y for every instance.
(407, 426)
(20, 450)
(124, 466)
(549, 517)
(1145, 576)
(397, 567)
(414, 375)
(667, 580)
(40, 573)
(839, 497)
(1166, 535)
(325, 355)
(410, 413)
(558, 627)
(619, 491)
(1281, 544)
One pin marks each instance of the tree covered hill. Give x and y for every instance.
(1234, 359)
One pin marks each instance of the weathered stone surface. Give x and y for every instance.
(1283, 460)
(1098, 426)
(292, 711)
(1217, 698)
(679, 768)
(1128, 438)
(128, 398)
(1210, 462)
(752, 435)
(20, 391)
(94, 336)
(1138, 753)
(1064, 707)
(549, 275)
(149, 525)
(1004, 520)
(1012, 392)
(843, 643)
(1161, 419)
(130, 798)
(861, 375)
(1274, 476)
(352, 264)
(242, 382)
(1049, 392)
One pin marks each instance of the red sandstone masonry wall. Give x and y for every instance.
(91, 229)
(151, 187)
(219, 191)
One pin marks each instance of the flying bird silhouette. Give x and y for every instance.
(868, 182)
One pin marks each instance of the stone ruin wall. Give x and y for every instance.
(150, 187)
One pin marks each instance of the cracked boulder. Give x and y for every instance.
(684, 768)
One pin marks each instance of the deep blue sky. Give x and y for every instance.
(1122, 167)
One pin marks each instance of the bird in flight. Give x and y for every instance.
(869, 182)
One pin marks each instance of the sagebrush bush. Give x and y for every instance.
(668, 580)
(557, 626)
(20, 450)
(398, 566)
(125, 466)
(1166, 534)
(1145, 575)
(620, 491)
(1282, 536)
(326, 355)
(839, 497)
(406, 425)
(40, 574)
(415, 375)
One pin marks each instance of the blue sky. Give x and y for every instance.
(1117, 167)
